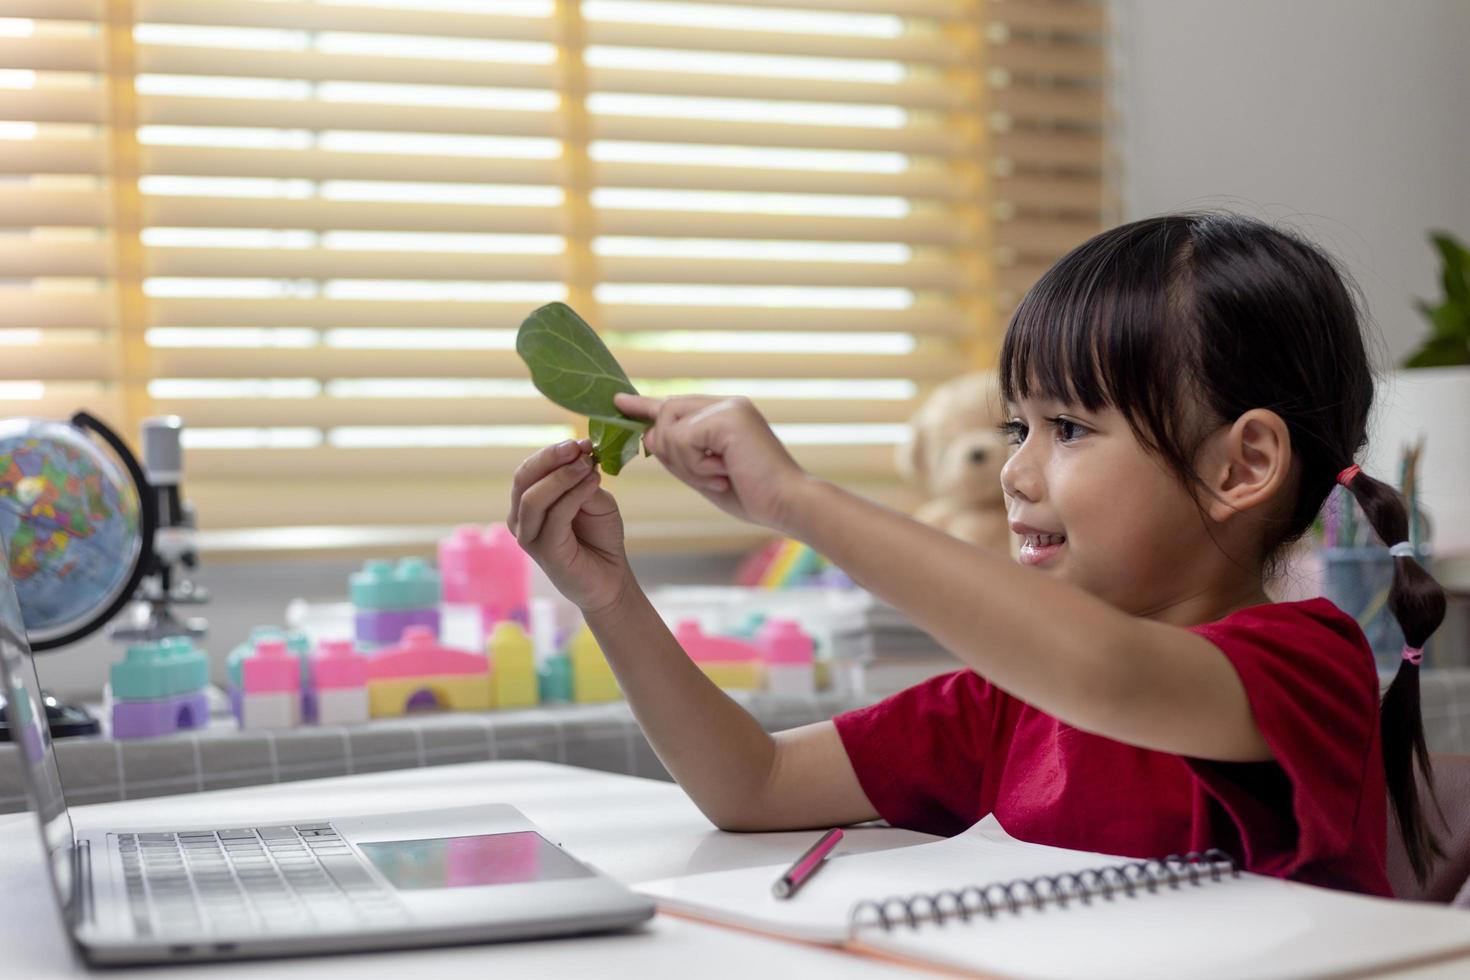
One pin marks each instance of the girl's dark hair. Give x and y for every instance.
(1212, 314)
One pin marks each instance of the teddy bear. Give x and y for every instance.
(954, 453)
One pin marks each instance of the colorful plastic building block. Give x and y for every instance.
(489, 570)
(512, 667)
(158, 689)
(298, 644)
(389, 599)
(554, 679)
(728, 662)
(270, 687)
(592, 677)
(787, 652)
(417, 672)
(340, 674)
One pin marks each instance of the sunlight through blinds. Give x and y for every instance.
(310, 229)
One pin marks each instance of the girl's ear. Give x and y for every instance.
(1247, 464)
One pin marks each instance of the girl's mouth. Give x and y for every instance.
(1038, 549)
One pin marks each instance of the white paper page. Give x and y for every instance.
(819, 911)
(1246, 928)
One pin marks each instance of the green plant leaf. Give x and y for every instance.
(613, 444)
(1456, 274)
(572, 366)
(1449, 341)
(1440, 352)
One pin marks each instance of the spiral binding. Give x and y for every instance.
(1013, 896)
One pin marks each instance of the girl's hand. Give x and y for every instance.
(723, 448)
(571, 526)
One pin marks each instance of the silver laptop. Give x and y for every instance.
(307, 883)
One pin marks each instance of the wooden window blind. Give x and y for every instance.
(310, 229)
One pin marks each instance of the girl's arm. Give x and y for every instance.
(1050, 644)
(741, 777)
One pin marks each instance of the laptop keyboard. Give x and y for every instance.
(252, 880)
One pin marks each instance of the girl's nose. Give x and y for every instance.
(1019, 479)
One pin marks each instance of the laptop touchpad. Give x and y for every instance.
(460, 862)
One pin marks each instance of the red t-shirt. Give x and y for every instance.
(941, 755)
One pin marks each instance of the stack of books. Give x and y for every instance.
(877, 651)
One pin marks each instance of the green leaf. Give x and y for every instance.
(572, 366)
(613, 445)
(1456, 274)
(1449, 340)
(1440, 352)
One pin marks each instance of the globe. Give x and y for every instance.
(73, 523)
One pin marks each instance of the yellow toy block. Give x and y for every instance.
(391, 697)
(512, 667)
(592, 677)
(735, 675)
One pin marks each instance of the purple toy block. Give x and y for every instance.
(159, 716)
(385, 627)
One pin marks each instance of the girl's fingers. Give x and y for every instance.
(534, 469)
(559, 517)
(636, 406)
(536, 503)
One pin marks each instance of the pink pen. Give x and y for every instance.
(806, 865)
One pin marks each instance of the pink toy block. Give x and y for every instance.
(337, 664)
(271, 670)
(419, 654)
(781, 641)
(486, 569)
(711, 649)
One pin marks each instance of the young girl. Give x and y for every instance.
(1183, 393)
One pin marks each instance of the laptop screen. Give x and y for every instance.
(32, 738)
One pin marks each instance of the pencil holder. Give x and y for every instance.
(1357, 582)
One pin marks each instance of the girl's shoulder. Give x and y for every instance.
(1308, 634)
(1319, 617)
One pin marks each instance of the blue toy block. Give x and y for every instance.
(749, 628)
(412, 584)
(554, 679)
(151, 671)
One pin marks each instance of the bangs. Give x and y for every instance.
(1109, 325)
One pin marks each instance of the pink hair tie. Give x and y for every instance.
(1346, 476)
(1414, 655)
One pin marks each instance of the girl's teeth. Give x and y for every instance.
(1046, 540)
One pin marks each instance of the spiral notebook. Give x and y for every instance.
(986, 903)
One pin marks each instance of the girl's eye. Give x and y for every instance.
(1012, 431)
(1068, 430)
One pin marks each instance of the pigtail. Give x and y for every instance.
(1418, 603)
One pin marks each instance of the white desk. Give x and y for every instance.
(634, 829)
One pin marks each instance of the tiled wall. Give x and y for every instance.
(601, 736)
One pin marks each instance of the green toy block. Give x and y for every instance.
(749, 628)
(160, 670)
(554, 679)
(380, 585)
